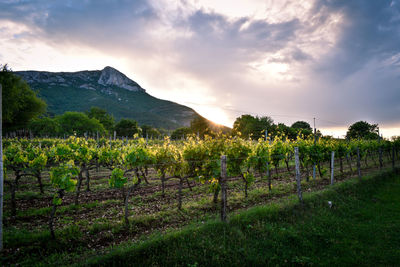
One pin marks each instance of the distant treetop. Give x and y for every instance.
(362, 130)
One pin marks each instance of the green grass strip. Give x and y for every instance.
(361, 228)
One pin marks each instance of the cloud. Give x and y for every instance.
(335, 60)
(218, 45)
(359, 77)
(100, 23)
(370, 31)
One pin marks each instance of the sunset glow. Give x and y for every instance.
(305, 59)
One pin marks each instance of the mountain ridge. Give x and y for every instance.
(109, 89)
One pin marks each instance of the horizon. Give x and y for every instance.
(293, 61)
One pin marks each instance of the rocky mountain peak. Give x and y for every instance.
(108, 89)
(111, 76)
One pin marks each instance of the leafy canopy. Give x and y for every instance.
(79, 123)
(149, 131)
(45, 126)
(127, 127)
(301, 125)
(254, 127)
(20, 103)
(107, 120)
(362, 130)
(179, 133)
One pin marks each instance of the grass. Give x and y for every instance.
(361, 228)
(95, 227)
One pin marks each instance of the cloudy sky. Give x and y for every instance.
(335, 60)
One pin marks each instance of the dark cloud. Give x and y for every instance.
(93, 22)
(218, 44)
(371, 30)
(354, 77)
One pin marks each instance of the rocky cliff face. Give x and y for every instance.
(92, 80)
(108, 89)
(111, 76)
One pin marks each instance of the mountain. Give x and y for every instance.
(108, 89)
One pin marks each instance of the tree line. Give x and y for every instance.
(23, 109)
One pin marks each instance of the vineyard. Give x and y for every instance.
(88, 194)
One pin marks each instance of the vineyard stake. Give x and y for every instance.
(223, 188)
(332, 166)
(380, 152)
(298, 178)
(358, 163)
(267, 163)
(314, 169)
(1, 168)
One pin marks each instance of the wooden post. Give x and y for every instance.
(1, 168)
(332, 166)
(358, 163)
(115, 135)
(223, 188)
(314, 169)
(298, 178)
(380, 153)
(267, 163)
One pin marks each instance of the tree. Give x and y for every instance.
(265, 123)
(102, 116)
(127, 127)
(180, 132)
(244, 126)
(254, 127)
(362, 130)
(148, 131)
(201, 126)
(45, 126)
(302, 128)
(289, 132)
(77, 122)
(301, 125)
(21, 103)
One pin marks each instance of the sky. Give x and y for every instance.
(334, 60)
